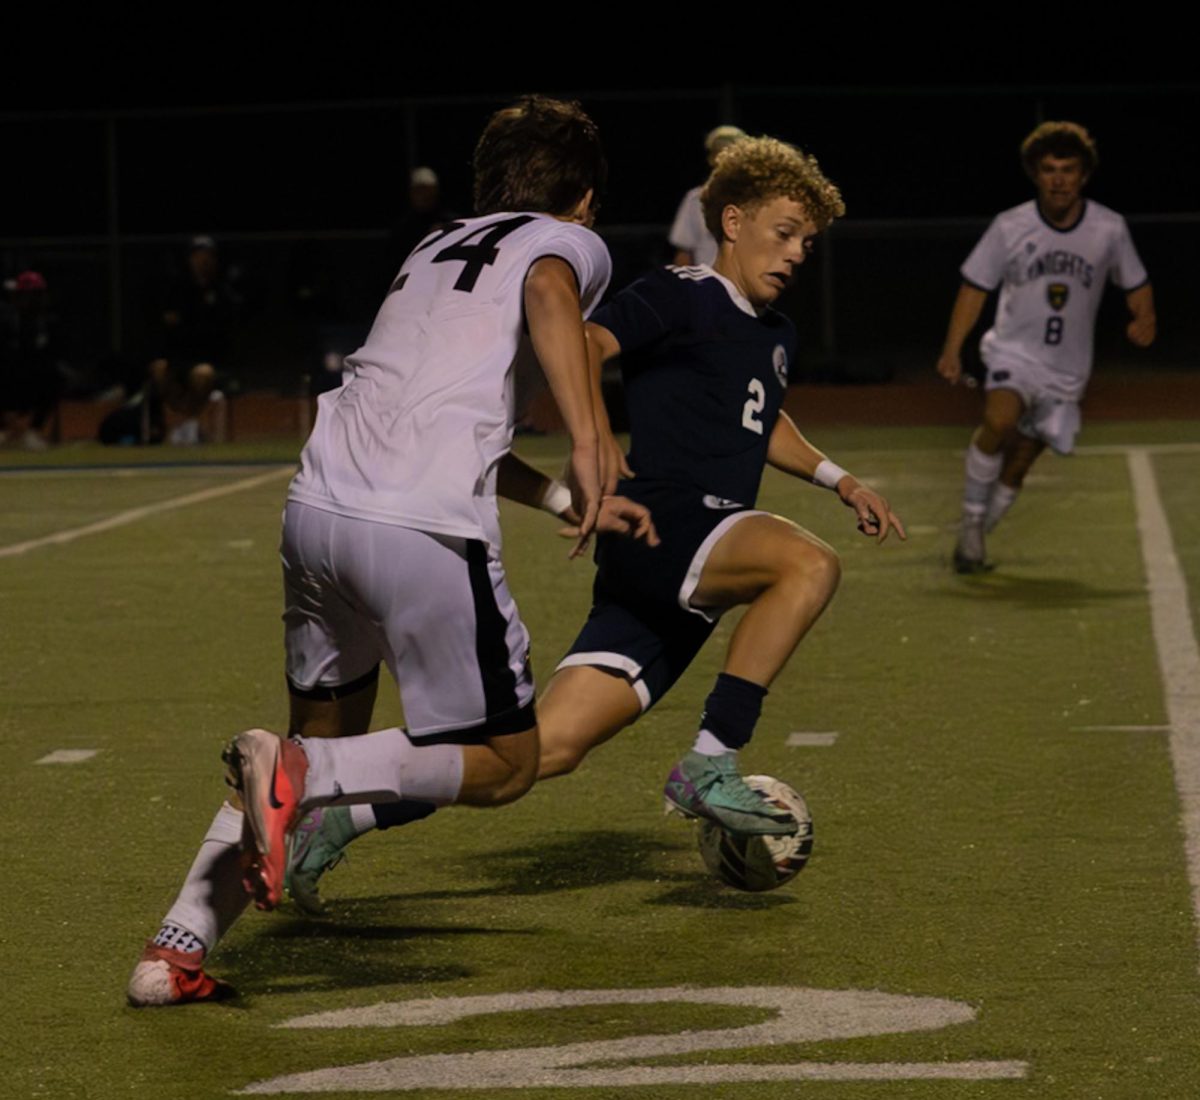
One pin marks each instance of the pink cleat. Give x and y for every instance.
(164, 977)
(268, 771)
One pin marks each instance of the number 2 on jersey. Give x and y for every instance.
(753, 406)
(476, 256)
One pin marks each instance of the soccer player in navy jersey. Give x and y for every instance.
(705, 361)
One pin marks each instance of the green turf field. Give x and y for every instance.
(998, 889)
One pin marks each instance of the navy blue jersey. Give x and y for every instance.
(704, 375)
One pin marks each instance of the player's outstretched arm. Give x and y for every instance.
(517, 481)
(556, 332)
(602, 346)
(789, 451)
(963, 317)
(1142, 329)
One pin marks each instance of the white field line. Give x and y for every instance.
(67, 756)
(1148, 448)
(803, 739)
(132, 515)
(1178, 655)
(180, 470)
(1120, 729)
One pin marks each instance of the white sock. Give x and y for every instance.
(384, 766)
(982, 473)
(1001, 501)
(212, 896)
(708, 744)
(362, 818)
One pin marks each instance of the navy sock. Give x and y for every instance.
(732, 709)
(406, 810)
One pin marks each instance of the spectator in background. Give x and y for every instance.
(425, 213)
(194, 326)
(28, 366)
(197, 318)
(689, 236)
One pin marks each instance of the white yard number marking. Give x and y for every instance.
(754, 405)
(802, 1016)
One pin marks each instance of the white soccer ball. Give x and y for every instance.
(758, 863)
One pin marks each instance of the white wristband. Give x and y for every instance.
(556, 499)
(828, 474)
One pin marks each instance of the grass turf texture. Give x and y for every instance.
(973, 842)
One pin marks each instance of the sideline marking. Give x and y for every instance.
(160, 469)
(802, 1015)
(132, 515)
(1121, 729)
(1131, 449)
(811, 740)
(67, 756)
(1178, 655)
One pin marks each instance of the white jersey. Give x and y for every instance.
(689, 233)
(414, 435)
(1052, 281)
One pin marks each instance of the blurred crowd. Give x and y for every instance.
(173, 387)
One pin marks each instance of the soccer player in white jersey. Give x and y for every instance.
(690, 237)
(391, 536)
(1050, 257)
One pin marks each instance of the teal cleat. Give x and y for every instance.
(318, 844)
(710, 787)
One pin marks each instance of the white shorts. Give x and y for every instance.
(1049, 415)
(435, 607)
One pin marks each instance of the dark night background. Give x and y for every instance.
(296, 160)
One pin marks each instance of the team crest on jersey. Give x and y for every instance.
(779, 362)
(1057, 294)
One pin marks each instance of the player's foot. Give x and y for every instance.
(970, 555)
(710, 786)
(164, 976)
(318, 844)
(268, 772)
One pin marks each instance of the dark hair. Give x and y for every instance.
(1059, 139)
(539, 154)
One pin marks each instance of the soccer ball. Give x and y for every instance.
(757, 863)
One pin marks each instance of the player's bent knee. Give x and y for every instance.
(816, 567)
(560, 759)
(521, 777)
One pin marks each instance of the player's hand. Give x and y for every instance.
(583, 479)
(1142, 330)
(949, 366)
(875, 517)
(620, 516)
(613, 464)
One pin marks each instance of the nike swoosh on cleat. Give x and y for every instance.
(272, 797)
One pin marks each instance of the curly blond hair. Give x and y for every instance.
(1059, 139)
(756, 170)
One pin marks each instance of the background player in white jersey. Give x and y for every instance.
(690, 236)
(1050, 258)
(391, 535)
(704, 358)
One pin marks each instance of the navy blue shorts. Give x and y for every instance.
(643, 625)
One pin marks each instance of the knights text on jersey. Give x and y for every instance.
(414, 435)
(705, 375)
(1051, 281)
